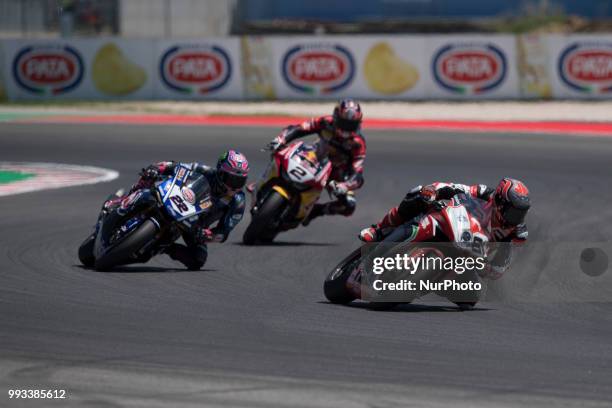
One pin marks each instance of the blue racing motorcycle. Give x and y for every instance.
(147, 221)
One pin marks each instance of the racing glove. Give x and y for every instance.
(277, 142)
(147, 178)
(429, 193)
(150, 173)
(337, 189)
(430, 197)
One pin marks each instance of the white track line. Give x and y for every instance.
(50, 176)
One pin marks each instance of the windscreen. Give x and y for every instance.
(198, 184)
(310, 158)
(477, 208)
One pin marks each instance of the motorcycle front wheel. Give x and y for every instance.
(334, 287)
(259, 229)
(86, 250)
(123, 251)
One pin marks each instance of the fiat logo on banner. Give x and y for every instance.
(48, 69)
(469, 68)
(587, 67)
(318, 68)
(195, 69)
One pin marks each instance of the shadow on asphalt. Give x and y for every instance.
(144, 269)
(289, 244)
(408, 308)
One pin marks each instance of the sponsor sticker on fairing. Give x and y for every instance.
(206, 203)
(48, 69)
(318, 68)
(587, 67)
(195, 68)
(469, 68)
(188, 195)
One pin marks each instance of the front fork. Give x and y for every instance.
(255, 187)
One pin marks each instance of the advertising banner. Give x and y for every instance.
(472, 66)
(198, 69)
(581, 66)
(3, 91)
(79, 69)
(367, 67)
(379, 67)
(532, 56)
(257, 68)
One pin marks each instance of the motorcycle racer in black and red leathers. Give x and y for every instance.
(226, 181)
(510, 203)
(341, 140)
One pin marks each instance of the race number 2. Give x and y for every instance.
(298, 172)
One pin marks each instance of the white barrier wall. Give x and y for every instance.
(198, 69)
(581, 66)
(400, 67)
(472, 67)
(363, 67)
(79, 69)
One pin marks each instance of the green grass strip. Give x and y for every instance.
(12, 176)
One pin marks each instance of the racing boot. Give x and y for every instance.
(317, 211)
(344, 205)
(377, 232)
(371, 234)
(193, 258)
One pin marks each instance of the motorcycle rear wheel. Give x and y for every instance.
(121, 253)
(258, 230)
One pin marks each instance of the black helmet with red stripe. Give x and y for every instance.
(512, 201)
(347, 118)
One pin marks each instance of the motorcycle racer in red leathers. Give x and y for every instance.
(341, 140)
(510, 203)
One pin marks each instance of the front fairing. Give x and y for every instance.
(467, 223)
(185, 196)
(305, 168)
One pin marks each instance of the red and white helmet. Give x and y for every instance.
(347, 118)
(511, 201)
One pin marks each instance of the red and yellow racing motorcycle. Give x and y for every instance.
(290, 187)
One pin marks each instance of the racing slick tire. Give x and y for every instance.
(86, 255)
(334, 286)
(258, 230)
(121, 253)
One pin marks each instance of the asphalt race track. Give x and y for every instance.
(253, 328)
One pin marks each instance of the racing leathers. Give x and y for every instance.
(399, 224)
(227, 211)
(346, 156)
